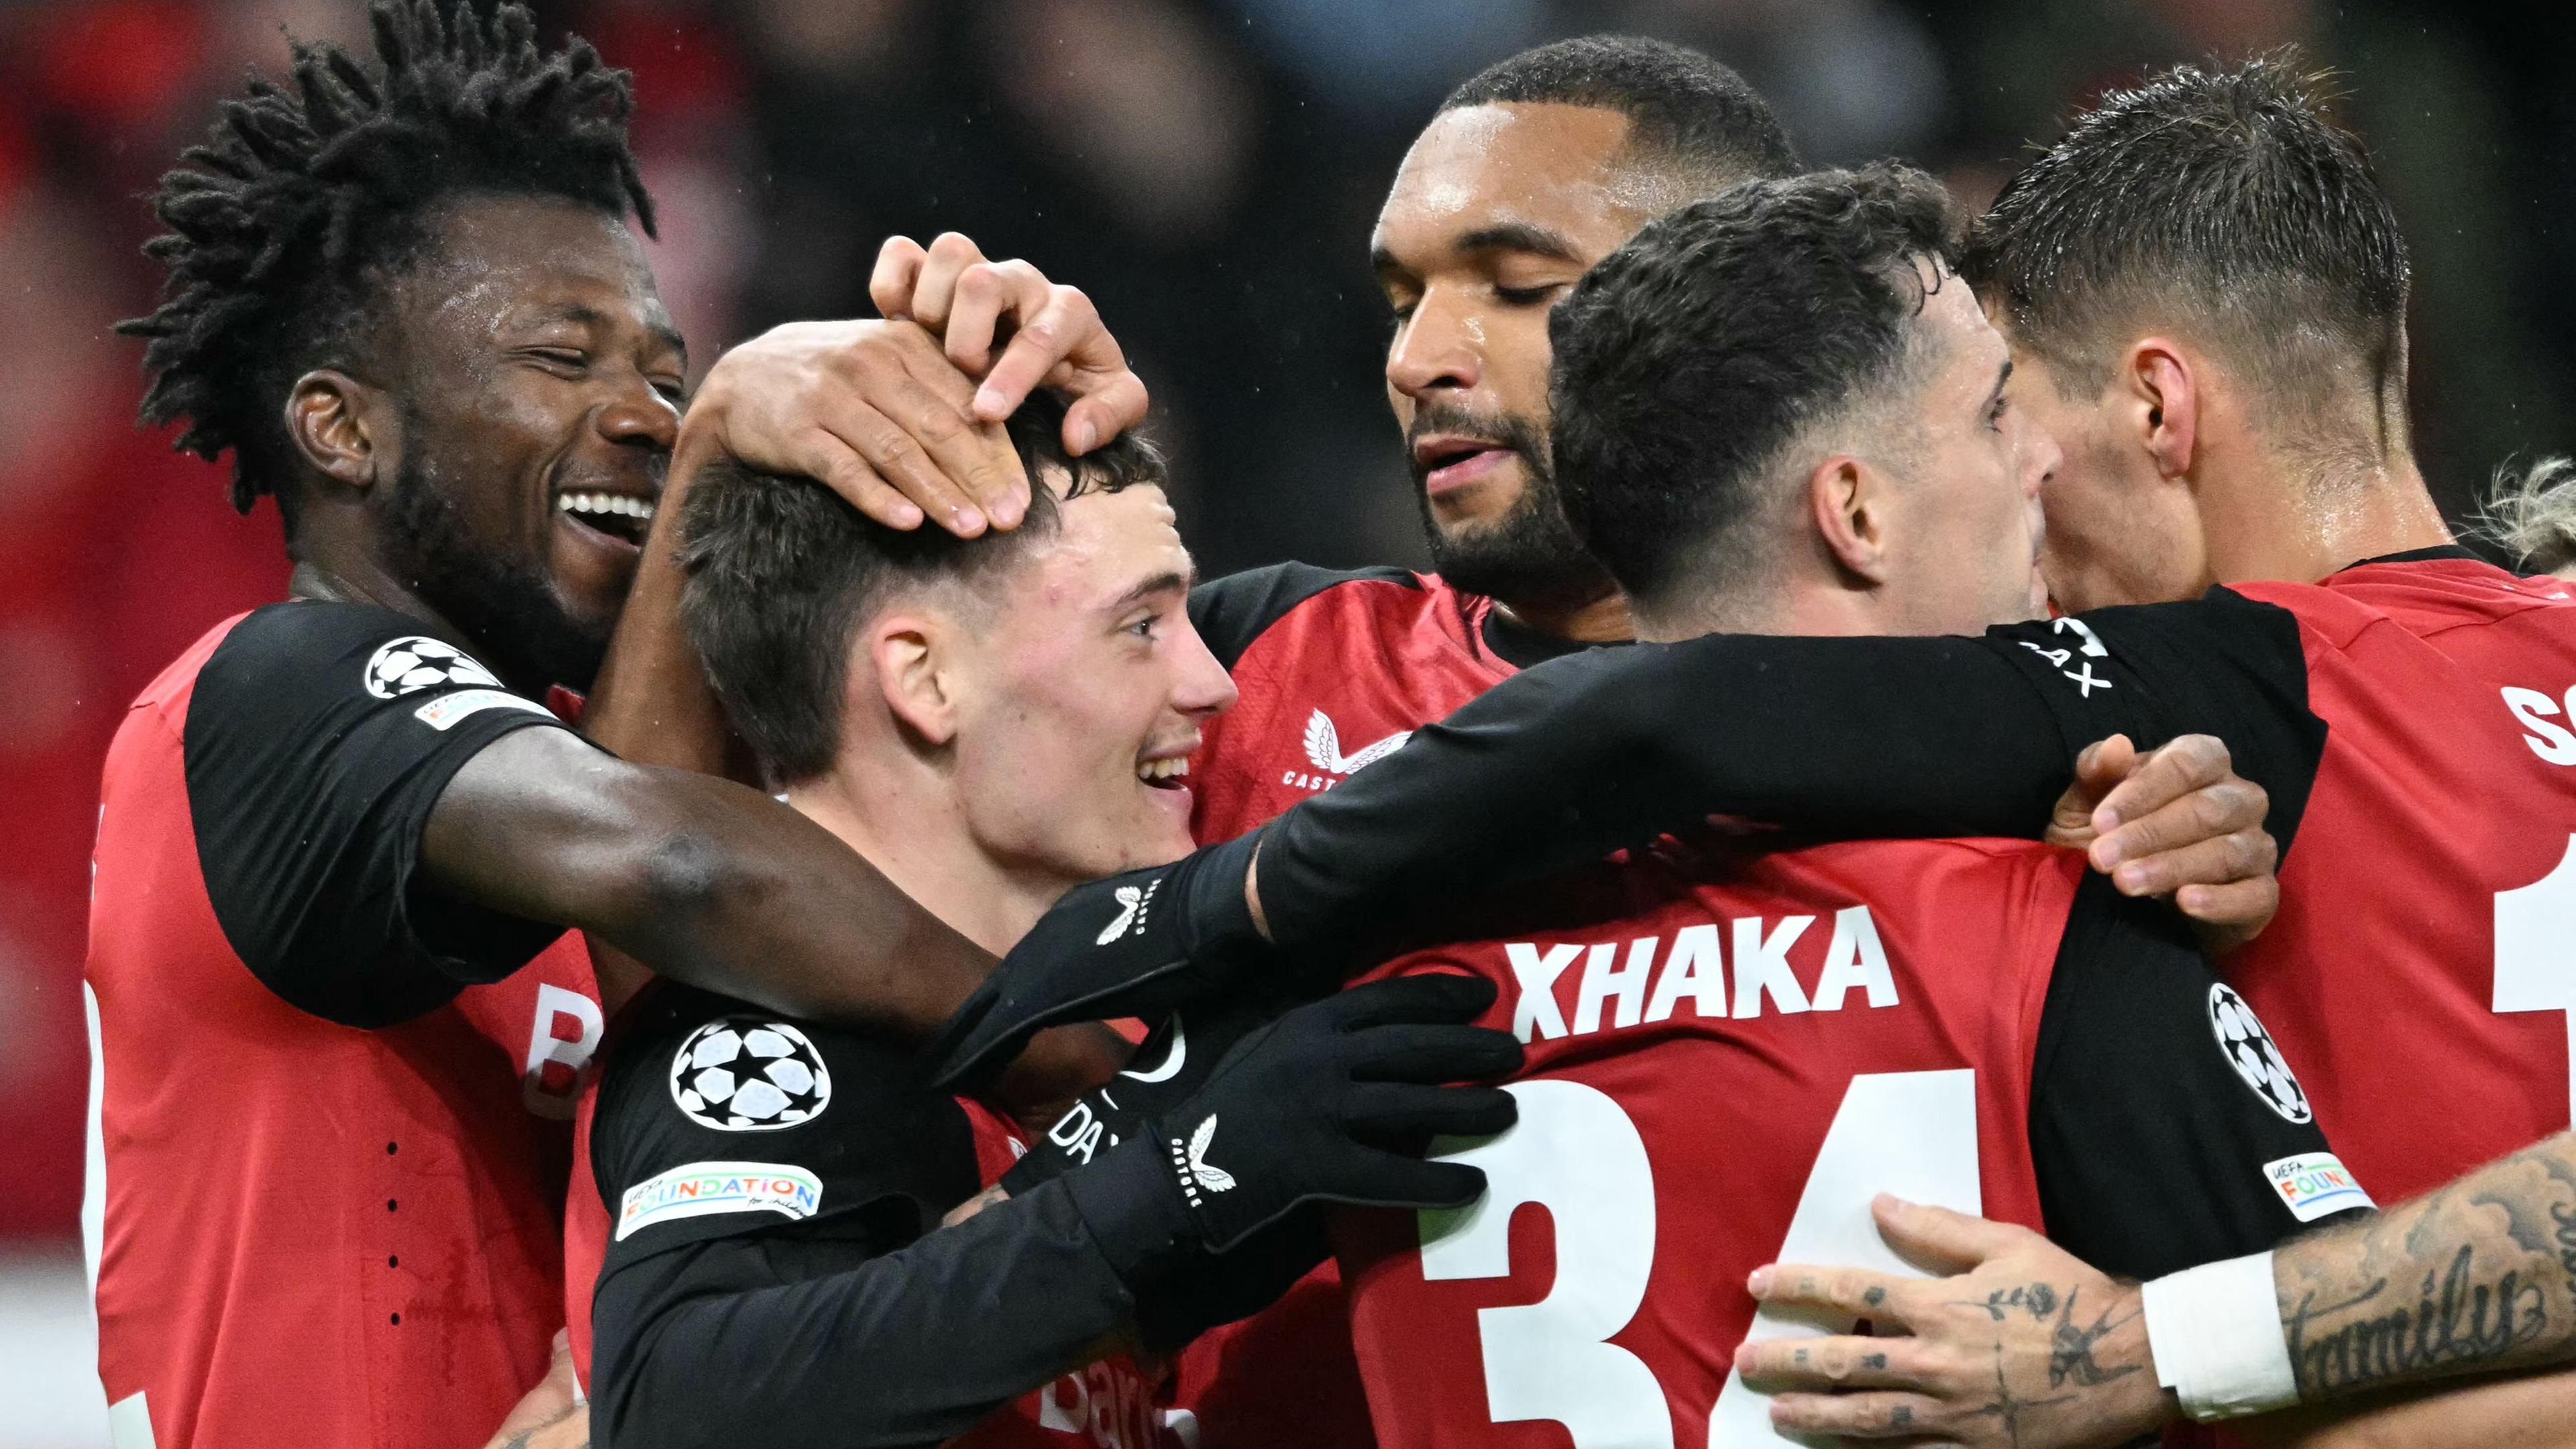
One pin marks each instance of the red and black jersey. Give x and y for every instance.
(1729, 1057)
(332, 1107)
(774, 1265)
(1334, 670)
(2411, 717)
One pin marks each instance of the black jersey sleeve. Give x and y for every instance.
(1840, 737)
(776, 1266)
(318, 737)
(1232, 611)
(2165, 1127)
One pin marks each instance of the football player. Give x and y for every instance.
(2210, 285)
(1724, 1044)
(340, 836)
(989, 721)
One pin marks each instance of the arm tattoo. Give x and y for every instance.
(2479, 1275)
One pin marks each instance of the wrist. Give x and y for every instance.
(1134, 1208)
(2214, 1338)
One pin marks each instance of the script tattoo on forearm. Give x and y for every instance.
(2474, 1276)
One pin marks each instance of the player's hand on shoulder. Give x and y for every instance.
(2178, 822)
(2025, 1346)
(1006, 323)
(872, 409)
(1141, 944)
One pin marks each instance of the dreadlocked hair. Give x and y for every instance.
(307, 197)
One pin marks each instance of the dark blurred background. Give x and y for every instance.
(1206, 169)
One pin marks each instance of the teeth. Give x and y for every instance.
(1163, 769)
(604, 503)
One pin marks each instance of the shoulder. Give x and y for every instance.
(717, 1117)
(1233, 611)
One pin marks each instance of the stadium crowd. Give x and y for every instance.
(1950, 810)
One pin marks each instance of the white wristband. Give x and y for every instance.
(2216, 1333)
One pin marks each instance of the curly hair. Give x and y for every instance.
(286, 224)
(1687, 360)
(2530, 512)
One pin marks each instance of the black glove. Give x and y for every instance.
(1137, 944)
(1333, 1102)
(1169, 1068)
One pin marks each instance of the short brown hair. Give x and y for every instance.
(780, 573)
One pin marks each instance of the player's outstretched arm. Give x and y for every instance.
(704, 880)
(2471, 1279)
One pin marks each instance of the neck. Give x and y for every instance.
(2266, 515)
(1598, 619)
(909, 828)
(360, 581)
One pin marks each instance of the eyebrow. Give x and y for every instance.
(1504, 236)
(1168, 581)
(2003, 375)
(579, 315)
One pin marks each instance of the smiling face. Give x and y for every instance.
(1496, 211)
(1080, 687)
(539, 389)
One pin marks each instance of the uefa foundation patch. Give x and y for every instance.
(2314, 1184)
(700, 1188)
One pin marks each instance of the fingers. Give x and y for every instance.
(1937, 1238)
(1852, 1292)
(1412, 1052)
(1103, 408)
(986, 294)
(2240, 855)
(1431, 996)
(1060, 336)
(2233, 913)
(934, 288)
(823, 455)
(1855, 1416)
(1391, 1112)
(2183, 765)
(898, 270)
(1399, 1181)
(1825, 1365)
(940, 449)
(2098, 771)
(900, 459)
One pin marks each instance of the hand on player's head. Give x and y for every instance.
(2022, 1326)
(1007, 324)
(874, 411)
(2176, 821)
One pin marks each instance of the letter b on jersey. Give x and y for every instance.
(552, 1075)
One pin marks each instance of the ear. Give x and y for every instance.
(342, 427)
(2161, 401)
(1849, 502)
(910, 657)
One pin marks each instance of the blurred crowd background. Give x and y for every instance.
(1207, 169)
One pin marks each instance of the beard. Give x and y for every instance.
(1529, 558)
(504, 604)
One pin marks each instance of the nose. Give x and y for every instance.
(1435, 348)
(639, 417)
(1201, 688)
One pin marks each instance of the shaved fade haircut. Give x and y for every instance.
(1688, 116)
(780, 573)
(1689, 362)
(2226, 203)
(288, 223)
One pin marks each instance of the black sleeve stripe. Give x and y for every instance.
(2152, 1150)
(1233, 611)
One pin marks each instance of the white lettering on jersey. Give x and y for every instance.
(1622, 985)
(548, 1046)
(2088, 645)
(2550, 742)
